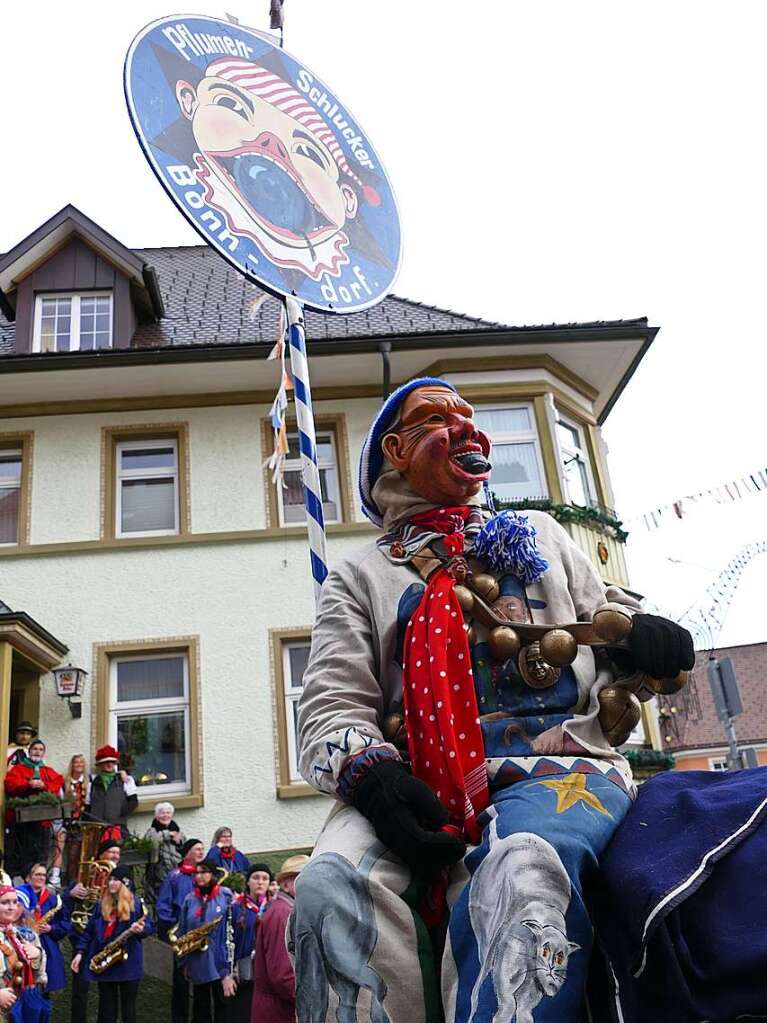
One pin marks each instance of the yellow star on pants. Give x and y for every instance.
(570, 790)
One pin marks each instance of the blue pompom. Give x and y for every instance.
(507, 544)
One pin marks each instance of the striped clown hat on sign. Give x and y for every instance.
(274, 90)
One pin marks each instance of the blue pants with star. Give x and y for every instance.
(519, 933)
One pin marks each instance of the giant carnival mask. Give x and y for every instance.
(272, 165)
(437, 447)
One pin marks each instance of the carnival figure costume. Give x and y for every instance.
(514, 756)
(41, 904)
(22, 973)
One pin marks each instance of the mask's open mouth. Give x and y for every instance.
(274, 196)
(470, 460)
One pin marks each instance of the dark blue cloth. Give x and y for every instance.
(238, 864)
(93, 939)
(213, 964)
(173, 891)
(681, 906)
(61, 927)
(31, 1007)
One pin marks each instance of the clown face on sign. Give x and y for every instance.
(264, 161)
(272, 165)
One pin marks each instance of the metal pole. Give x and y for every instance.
(384, 347)
(724, 710)
(310, 474)
(733, 756)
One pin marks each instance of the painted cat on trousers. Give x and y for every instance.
(520, 928)
(333, 941)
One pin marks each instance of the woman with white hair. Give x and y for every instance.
(166, 835)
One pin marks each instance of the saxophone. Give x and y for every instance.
(195, 940)
(35, 925)
(93, 874)
(115, 951)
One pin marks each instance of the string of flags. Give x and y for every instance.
(724, 493)
(278, 412)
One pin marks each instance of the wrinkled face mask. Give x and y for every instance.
(437, 447)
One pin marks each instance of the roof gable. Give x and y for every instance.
(56, 232)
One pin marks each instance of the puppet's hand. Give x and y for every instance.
(407, 817)
(661, 648)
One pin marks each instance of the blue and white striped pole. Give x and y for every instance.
(307, 441)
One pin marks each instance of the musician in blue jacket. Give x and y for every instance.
(247, 909)
(174, 889)
(121, 912)
(223, 854)
(211, 971)
(42, 902)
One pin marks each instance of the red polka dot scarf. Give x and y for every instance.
(444, 734)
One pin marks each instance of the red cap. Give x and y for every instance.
(105, 753)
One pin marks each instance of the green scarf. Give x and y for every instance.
(34, 764)
(106, 778)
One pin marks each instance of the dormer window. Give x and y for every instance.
(72, 322)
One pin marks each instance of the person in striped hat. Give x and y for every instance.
(274, 165)
(441, 732)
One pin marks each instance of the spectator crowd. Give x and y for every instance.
(64, 894)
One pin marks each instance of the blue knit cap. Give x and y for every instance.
(372, 456)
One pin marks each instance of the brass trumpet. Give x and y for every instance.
(93, 874)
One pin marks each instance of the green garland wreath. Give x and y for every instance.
(650, 758)
(41, 799)
(594, 518)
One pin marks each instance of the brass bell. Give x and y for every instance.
(471, 633)
(666, 686)
(611, 626)
(486, 586)
(465, 598)
(619, 714)
(394, 730)
(558, 647)
(503, 643)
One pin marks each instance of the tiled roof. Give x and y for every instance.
(207, 301)
(701, 727)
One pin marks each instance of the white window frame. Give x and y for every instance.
(6, 483)
(717, 763)
(290, 695)
(75, 319)
(294, 465)
(583, 454)
(133, 708)
(519, 437)
(160, 472)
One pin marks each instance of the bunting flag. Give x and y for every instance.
(277, 414)
(724, 493)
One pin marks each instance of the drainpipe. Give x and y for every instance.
(384, 347)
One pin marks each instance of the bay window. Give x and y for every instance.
(518, 472)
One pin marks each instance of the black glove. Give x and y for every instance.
(407, 817)
(661, 648)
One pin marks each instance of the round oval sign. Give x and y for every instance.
(264, 161)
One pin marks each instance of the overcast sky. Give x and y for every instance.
(553, 162)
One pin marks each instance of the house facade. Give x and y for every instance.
(692, 731)
(142, 540)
